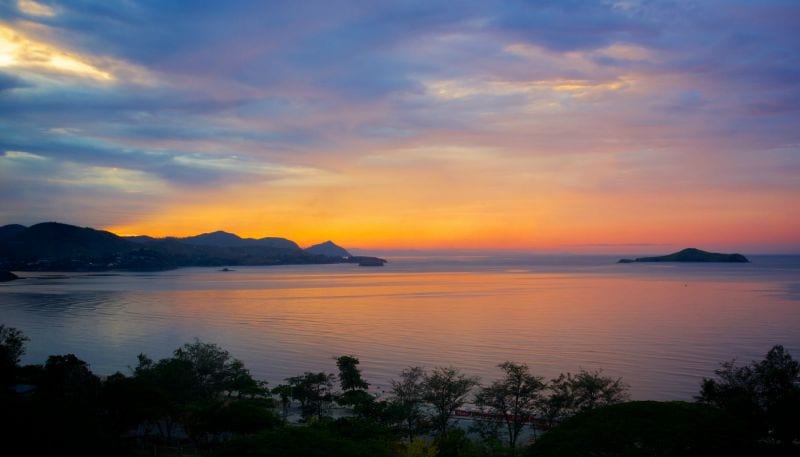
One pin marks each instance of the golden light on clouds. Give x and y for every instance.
(602, 125)
(35, 8)
(111, 178)
(627, 52)
(21, 155)
(75, 175)
(458, 89)
(584, 86)
(8, 49)
(18, 51)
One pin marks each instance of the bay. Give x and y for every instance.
(661, 327)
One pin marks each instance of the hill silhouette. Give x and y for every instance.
(222, 238)
(328, 248)
(53, 246)
(54, 239)
(10, 230)
(692, 255)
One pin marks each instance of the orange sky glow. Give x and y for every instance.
(476, 133)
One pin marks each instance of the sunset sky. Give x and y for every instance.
(554, 126)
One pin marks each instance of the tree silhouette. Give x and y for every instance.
(12, 347)
(516, 398)
(764, 394)
(409, 395)
(314, 391)
(570, 394)
(349, 374)
(446, 389)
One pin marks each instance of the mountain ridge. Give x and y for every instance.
(224, 239)
(54, 246)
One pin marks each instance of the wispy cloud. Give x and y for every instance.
(460, 121)
(34, 8)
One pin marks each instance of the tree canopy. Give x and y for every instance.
(516, 397)
(409, 394)
(573, 393)
(204, 398)
(12, 347)
(445, 390)
(644, 429)
(349, 374)
(764, 394)
(314, 391)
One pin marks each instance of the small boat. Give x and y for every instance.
(226, 269)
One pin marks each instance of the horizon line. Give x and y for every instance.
(559, 249)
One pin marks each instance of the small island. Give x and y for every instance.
(692, 255)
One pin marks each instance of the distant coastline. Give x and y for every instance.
(53, 246)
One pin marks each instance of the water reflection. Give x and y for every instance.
(60, 303)
(661, 329)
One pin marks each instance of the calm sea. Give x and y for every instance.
(661, 327)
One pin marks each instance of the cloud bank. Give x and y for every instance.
(407, 124)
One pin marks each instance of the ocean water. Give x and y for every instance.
(661, 327)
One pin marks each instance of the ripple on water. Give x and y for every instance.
(660, 329)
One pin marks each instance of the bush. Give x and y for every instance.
(645, 429)
(322, 439)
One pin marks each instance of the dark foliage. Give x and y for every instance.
(515, 397)
(201, 396)
(203, 401)
(765, 395)
(644, 429)
(349, 375)
(340, 438)
(408, 397)
(314, 391)
(570, 394)
(61, 414)
(12, 347)
(445, 389)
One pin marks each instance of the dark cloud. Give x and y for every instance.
(294, 82)
(568, 25)
(8, 82)
(183, 168)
